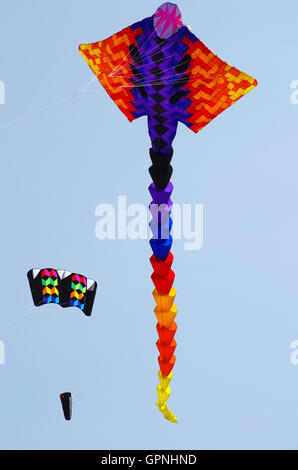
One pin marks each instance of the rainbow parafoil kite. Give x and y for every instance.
(57, 286)
(158, 68)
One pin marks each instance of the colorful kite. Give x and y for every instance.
(158, 68)
(63, 288)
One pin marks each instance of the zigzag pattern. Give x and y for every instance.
(79, 288)
(106, 59)
(214, 85)
(62, 287)
(158, 80)
(50, 292)
(163, 277)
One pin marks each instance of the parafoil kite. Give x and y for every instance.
(158, 68)
(62, 287)
(66, 401)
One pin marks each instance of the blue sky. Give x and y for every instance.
(234, 386)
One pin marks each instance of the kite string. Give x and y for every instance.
(28, 311)
(167, 79)
(170, 80)
(148, 53)
(169, 43)
(123, 58)
(157, 81)
(51, 105)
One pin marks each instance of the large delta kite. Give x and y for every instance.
(158, 68)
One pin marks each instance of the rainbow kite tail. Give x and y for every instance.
(163, 276)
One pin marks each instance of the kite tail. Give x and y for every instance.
(163, 276)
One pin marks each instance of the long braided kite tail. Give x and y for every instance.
(163, 276)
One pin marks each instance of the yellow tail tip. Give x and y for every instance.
(163, 393)
(168, 414)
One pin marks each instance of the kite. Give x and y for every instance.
(66, 401)
(158, 68)
(62, 287)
